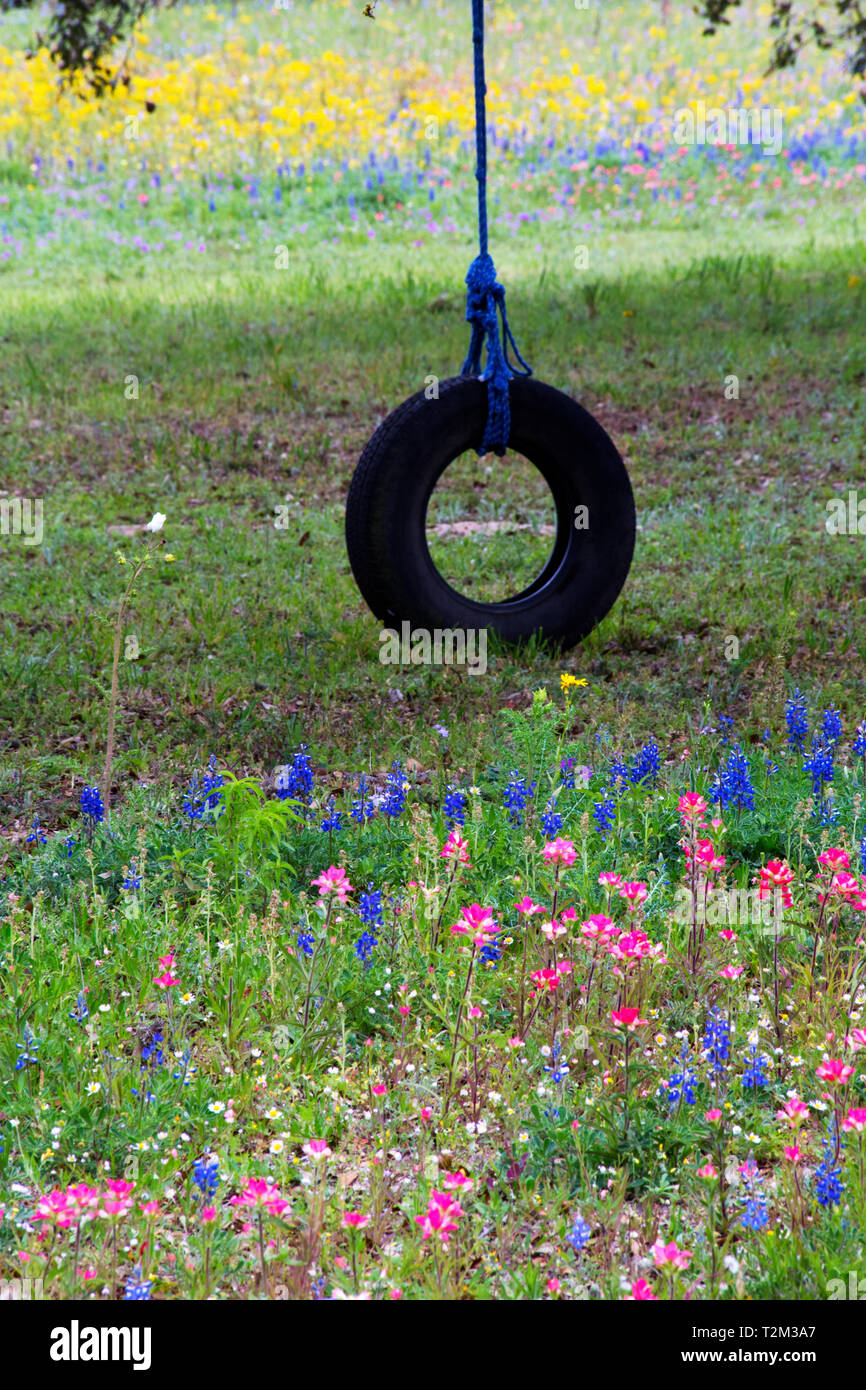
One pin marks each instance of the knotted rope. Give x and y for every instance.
(485, 297)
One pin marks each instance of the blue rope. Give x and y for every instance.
(485, 296)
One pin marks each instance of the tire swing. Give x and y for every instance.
(390, 491)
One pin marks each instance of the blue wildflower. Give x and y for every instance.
(151, 1053)
(566, 773)
(92, 808)
(28, 1049)
(756, 1212)
(395, 793)
(206, 1175)
(796, 721)
(733, 783)
(717, 1041)
(132, 882)
(137, 1288)
(827, 1180)
(755, 1074)
(619, 774)
(81, 1011)
(515, 797)
(364, 948)
(726, 725)
(306, 942)
(831, 725)
(454, 806)
(203, 793)
(551, 820)
(859, 745)
(645, 764)
(579, 1234)
(294, 781)
(819, 765)
(604, 813)
(37, 835)
(333, 821)
(360, 810)
(682, 1082)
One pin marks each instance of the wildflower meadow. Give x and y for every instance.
(340, 969)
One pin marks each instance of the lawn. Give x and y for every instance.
(205, 310)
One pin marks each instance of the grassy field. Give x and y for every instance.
(205, 310)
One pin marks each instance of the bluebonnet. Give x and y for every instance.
(360, 811)
(515, 797)
(770, 768)
(831, 725)
(395, 796)
(137, 1288)
(819, 765)
(203, 793)
(69, 845)
(27, 1049)
(859, 745)
(645, 764)
(206, 1175)
(306, 942)
(566, 773)
(294, 781)
(454, 806)
(133, 877)
(682, 1082)
(579, 1234)
(726, 725)
(796, 721)
(733, 783)
(717, 1041)
(370, 907)
(151, 1053)
(81, 1011)
(365, 946)
(551, 820)
(756, 1213)
(370, 913)
(619, 774)
(490, 954)
(37, 834)
(558, 1071)
(333, 821)
(827, 1180)
(755, 1074)
(92, 808)
(186, 1072)
(604, 813)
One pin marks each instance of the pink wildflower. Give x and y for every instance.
(670, 1256)
(333, 880)
(627, 1018)
(641, 1293)
(833, 1070)
(560, 852)
(456, 848)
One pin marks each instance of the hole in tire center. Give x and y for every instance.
(490, 525)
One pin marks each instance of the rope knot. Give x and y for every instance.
(484, 297)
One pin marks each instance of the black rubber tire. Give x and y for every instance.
(387, 506)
